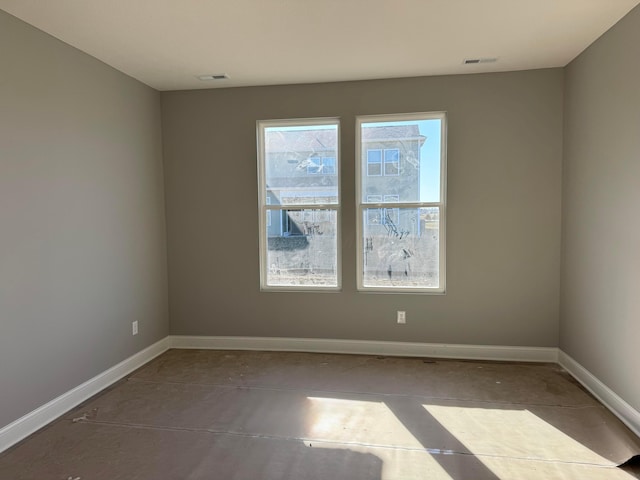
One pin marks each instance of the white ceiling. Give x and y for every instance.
(168, 43)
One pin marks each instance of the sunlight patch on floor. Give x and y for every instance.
(511, 432)
(358, 425)
(357, 421)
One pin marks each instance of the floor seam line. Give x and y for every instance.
(304, 440)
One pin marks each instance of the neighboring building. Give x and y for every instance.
(390, 171)
(301, 168)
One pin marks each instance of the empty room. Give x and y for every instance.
(280, 239)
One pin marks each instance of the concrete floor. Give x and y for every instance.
(196, 414)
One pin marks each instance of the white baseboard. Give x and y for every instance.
(38, 418)
(621, 409)
(369, 347)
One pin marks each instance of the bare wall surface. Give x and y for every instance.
(503, 224)
(82, 230)
(600, 316)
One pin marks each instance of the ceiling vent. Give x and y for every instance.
(475, 61)
(215, 76)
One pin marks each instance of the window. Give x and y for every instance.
(392, 161)
(374, 163)
(374, 216)
(401, 180)
(390, 216)
(382, 216)
(268, 212)
(299, 213)
(322, 166)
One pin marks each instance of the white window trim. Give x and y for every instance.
(261, 125)
(361, 206)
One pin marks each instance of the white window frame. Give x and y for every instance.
(263, 207)
(362, 205)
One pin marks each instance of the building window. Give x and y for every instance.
(374, 163)
(401, 214)
(390, 216)
(322, 166)
(374, 215)
(268, 200)
(299, 215)
(382, 216)
(391, 161)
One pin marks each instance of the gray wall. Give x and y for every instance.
(600, 316)
(503, 225)
(82, 230)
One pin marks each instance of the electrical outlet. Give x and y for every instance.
(134, 328)
(402, 317)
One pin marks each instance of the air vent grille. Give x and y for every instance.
(215, 76)
(475, 61)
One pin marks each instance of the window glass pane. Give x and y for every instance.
(268, 200)
(374, 156)
(314, 166)
(392, 162)
(300, 164)
(390, 215)
(403, 251)
(329, 166)
(374, 169)
(374, 162)
(402, 158)
(374, 215)
(303, 252)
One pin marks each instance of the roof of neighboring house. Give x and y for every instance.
(391, 132)
(324, 140)
(300, 140)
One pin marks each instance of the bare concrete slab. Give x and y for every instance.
(258, 415)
